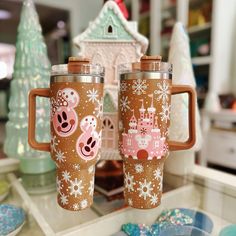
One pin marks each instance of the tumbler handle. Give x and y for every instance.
(174, 145)
(41, 92)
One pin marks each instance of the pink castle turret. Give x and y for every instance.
(143, 140)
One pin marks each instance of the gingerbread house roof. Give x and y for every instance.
(124, 31)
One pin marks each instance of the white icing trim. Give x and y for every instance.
(143, 41)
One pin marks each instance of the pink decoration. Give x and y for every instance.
(89, 141)
(143, 139)
(63, 115)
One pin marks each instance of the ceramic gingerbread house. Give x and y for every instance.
(111, 40)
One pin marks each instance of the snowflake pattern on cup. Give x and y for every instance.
(75, 173)
(143, 183)
(75, 191)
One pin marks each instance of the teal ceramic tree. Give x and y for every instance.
(31, 70)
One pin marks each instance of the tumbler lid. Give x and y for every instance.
(78, 66)
(150, 63)
(149, 67)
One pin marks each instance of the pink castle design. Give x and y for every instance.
(143, 140)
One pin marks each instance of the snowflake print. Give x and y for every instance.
(59, 187)
(143, 131)
(130, 202)
(154, 199)
(60, 156)
(139, 86)
(124, 104)
(76, 166)
(157, 174)
(91, 187)
(75, 187)
(163, 92)
(138, 168)
(145, 189)
(76, 206)
(66, 175)
(123, 86)
(92, 94)
(64, 199)
(129, 182)
(91, 169)
(83, 203)
(54, 143)
(165, 114)
(99, 109)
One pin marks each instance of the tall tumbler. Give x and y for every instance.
(144, 119)
(76, 97)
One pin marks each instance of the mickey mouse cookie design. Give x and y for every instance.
(63, 115)
(89, 141)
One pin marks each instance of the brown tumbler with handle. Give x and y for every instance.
(76, 98)
(144, 120)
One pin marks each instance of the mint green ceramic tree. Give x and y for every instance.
(31, 70)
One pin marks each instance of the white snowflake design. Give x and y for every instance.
(64, 199)
(91, 187)
(158, 176)
(165, 114)
(83, 203)
(99, 109)
(76, 187)
(129, 182)
(60, 156)
(54, 143)
(66, 175)
(59, 187)
(138, 168)
(76, 166)
(124, 104)
(130, 202)
(92, 94)
(154, 199)
(162, 92)
(76, 206)
(91, 169)
(123, 86)
(145, 189)
(139, 86)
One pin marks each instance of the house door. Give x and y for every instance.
(108, 133)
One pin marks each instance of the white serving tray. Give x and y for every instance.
(202, 191)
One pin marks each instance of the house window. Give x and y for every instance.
(108, 133)
(110, 29)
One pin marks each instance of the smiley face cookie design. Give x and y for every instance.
(63, 115)
(89, 141)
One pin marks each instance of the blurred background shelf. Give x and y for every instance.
(201, 60)
(199, 28)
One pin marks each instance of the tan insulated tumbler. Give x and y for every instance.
(75, 94)
(144, 120)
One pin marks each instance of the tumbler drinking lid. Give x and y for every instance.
(78, 65)
(150, 67)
